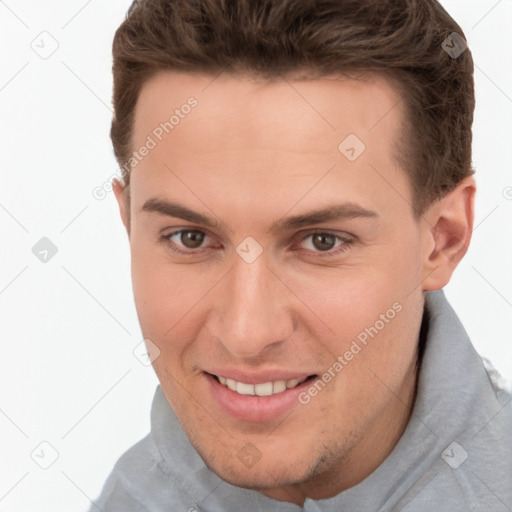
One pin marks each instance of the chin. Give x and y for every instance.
(259, 477)
(270, 471)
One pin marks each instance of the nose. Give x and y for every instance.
(254, 309)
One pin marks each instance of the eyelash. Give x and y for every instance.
(346, 243)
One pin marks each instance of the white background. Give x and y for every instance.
(68, 376)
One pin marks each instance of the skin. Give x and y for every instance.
(253, 152)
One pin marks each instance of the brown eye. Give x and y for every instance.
(326, 243)
(323, 241)
(191, 239)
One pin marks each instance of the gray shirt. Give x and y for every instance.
(454, 455)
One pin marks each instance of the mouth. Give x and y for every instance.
(256, 402)
(263, 389)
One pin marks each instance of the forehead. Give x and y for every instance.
(245, 112)
(281, 134)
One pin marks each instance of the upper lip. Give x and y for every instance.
(259, 377)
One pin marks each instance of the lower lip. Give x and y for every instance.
(254, 408)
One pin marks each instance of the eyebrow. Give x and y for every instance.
(329, 213)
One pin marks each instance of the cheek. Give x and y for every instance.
(375, 312)
(352, 300)
(375, 355)
(163, 292)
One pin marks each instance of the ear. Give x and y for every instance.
(122, 194)
(448, 227)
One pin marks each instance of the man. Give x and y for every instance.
(297, 190)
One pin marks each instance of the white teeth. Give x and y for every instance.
(279, 386)
(231, 384)
(244, 389)
(263, 389)
(292, 383)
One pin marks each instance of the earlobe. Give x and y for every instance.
(449, 226)
(122, 196)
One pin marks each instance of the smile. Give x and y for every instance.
(266, 396)
(263, 389)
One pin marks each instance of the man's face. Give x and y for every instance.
(260, 294)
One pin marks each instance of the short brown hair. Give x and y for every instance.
(401, 39)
